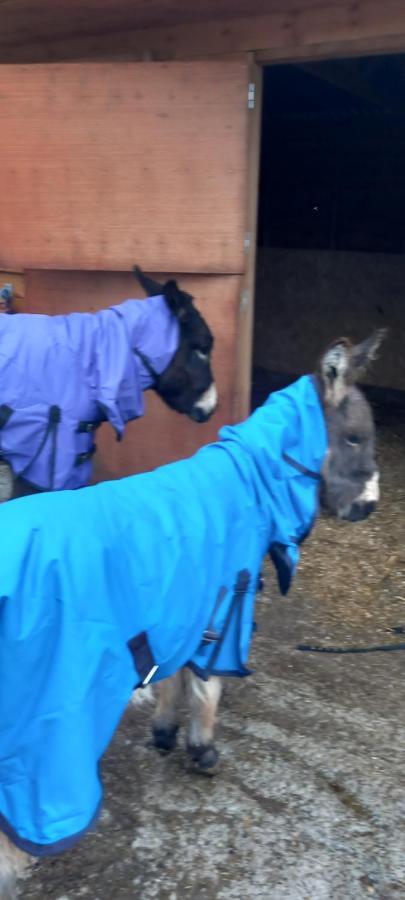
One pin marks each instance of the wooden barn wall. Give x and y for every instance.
(105, 165)
(302, 29)
(162, 435)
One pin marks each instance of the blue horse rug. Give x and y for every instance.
(61, 376)
(105, 589)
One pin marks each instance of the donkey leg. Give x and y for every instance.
(13, 863)
(6, 482)
(167, 716)
(203, 699)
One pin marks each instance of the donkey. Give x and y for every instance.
(62, 376)
(349, 489)
(125, 583)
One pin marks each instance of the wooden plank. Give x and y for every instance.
(373, 46)
(110, 164)
(277, 31)
(186, 41)
(162, 435)
(244, 348)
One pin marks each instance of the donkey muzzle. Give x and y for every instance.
(366, 502)
(360, 510)
(198, 415)
(205, 405)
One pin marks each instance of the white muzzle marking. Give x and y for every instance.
(371, 490)
(208, 400)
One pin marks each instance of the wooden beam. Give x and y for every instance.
(342, 49)
(23, 21)
(338, 28)
(187, 41)
(244, 347)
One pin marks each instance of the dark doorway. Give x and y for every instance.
(331, 232)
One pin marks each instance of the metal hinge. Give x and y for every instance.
(244, 300)
(246, 242)
(251, 95)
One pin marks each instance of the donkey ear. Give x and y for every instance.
(179, 302)
(344, 363)
(334, 370)
(363, 354)
(152, 288)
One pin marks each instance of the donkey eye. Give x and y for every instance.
(201, 355)
(353, 440)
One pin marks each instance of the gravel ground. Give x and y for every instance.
(309, 801)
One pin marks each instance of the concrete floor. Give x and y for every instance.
(309, 803)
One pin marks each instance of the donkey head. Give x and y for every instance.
(187, 385)
(350, 474)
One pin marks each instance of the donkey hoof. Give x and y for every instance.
(164, 739)
(205, 757)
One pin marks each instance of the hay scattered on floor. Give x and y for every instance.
(356, 573)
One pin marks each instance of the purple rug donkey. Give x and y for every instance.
(62, 376)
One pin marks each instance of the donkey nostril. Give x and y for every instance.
(360, 510)
(369, 508)
(198, 414)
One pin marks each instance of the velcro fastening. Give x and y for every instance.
(142, 655)
(87, 427)
(84, 457)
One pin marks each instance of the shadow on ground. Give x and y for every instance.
(309, 803)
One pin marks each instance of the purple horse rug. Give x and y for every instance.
(62, 376)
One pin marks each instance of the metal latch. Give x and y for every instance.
(6, 297)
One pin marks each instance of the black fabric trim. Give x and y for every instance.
(142, 655)
(104, 412)
(5, 413)
(37, 488)
(211, 634)
(54, 417)
(222, 673)
(148, 366)
(300, 467)
(241, 586)
(84, 457)
(283, 565)
(87, 427)
(307, 531)
(239, 628)
(47, 849)
(106, 418)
